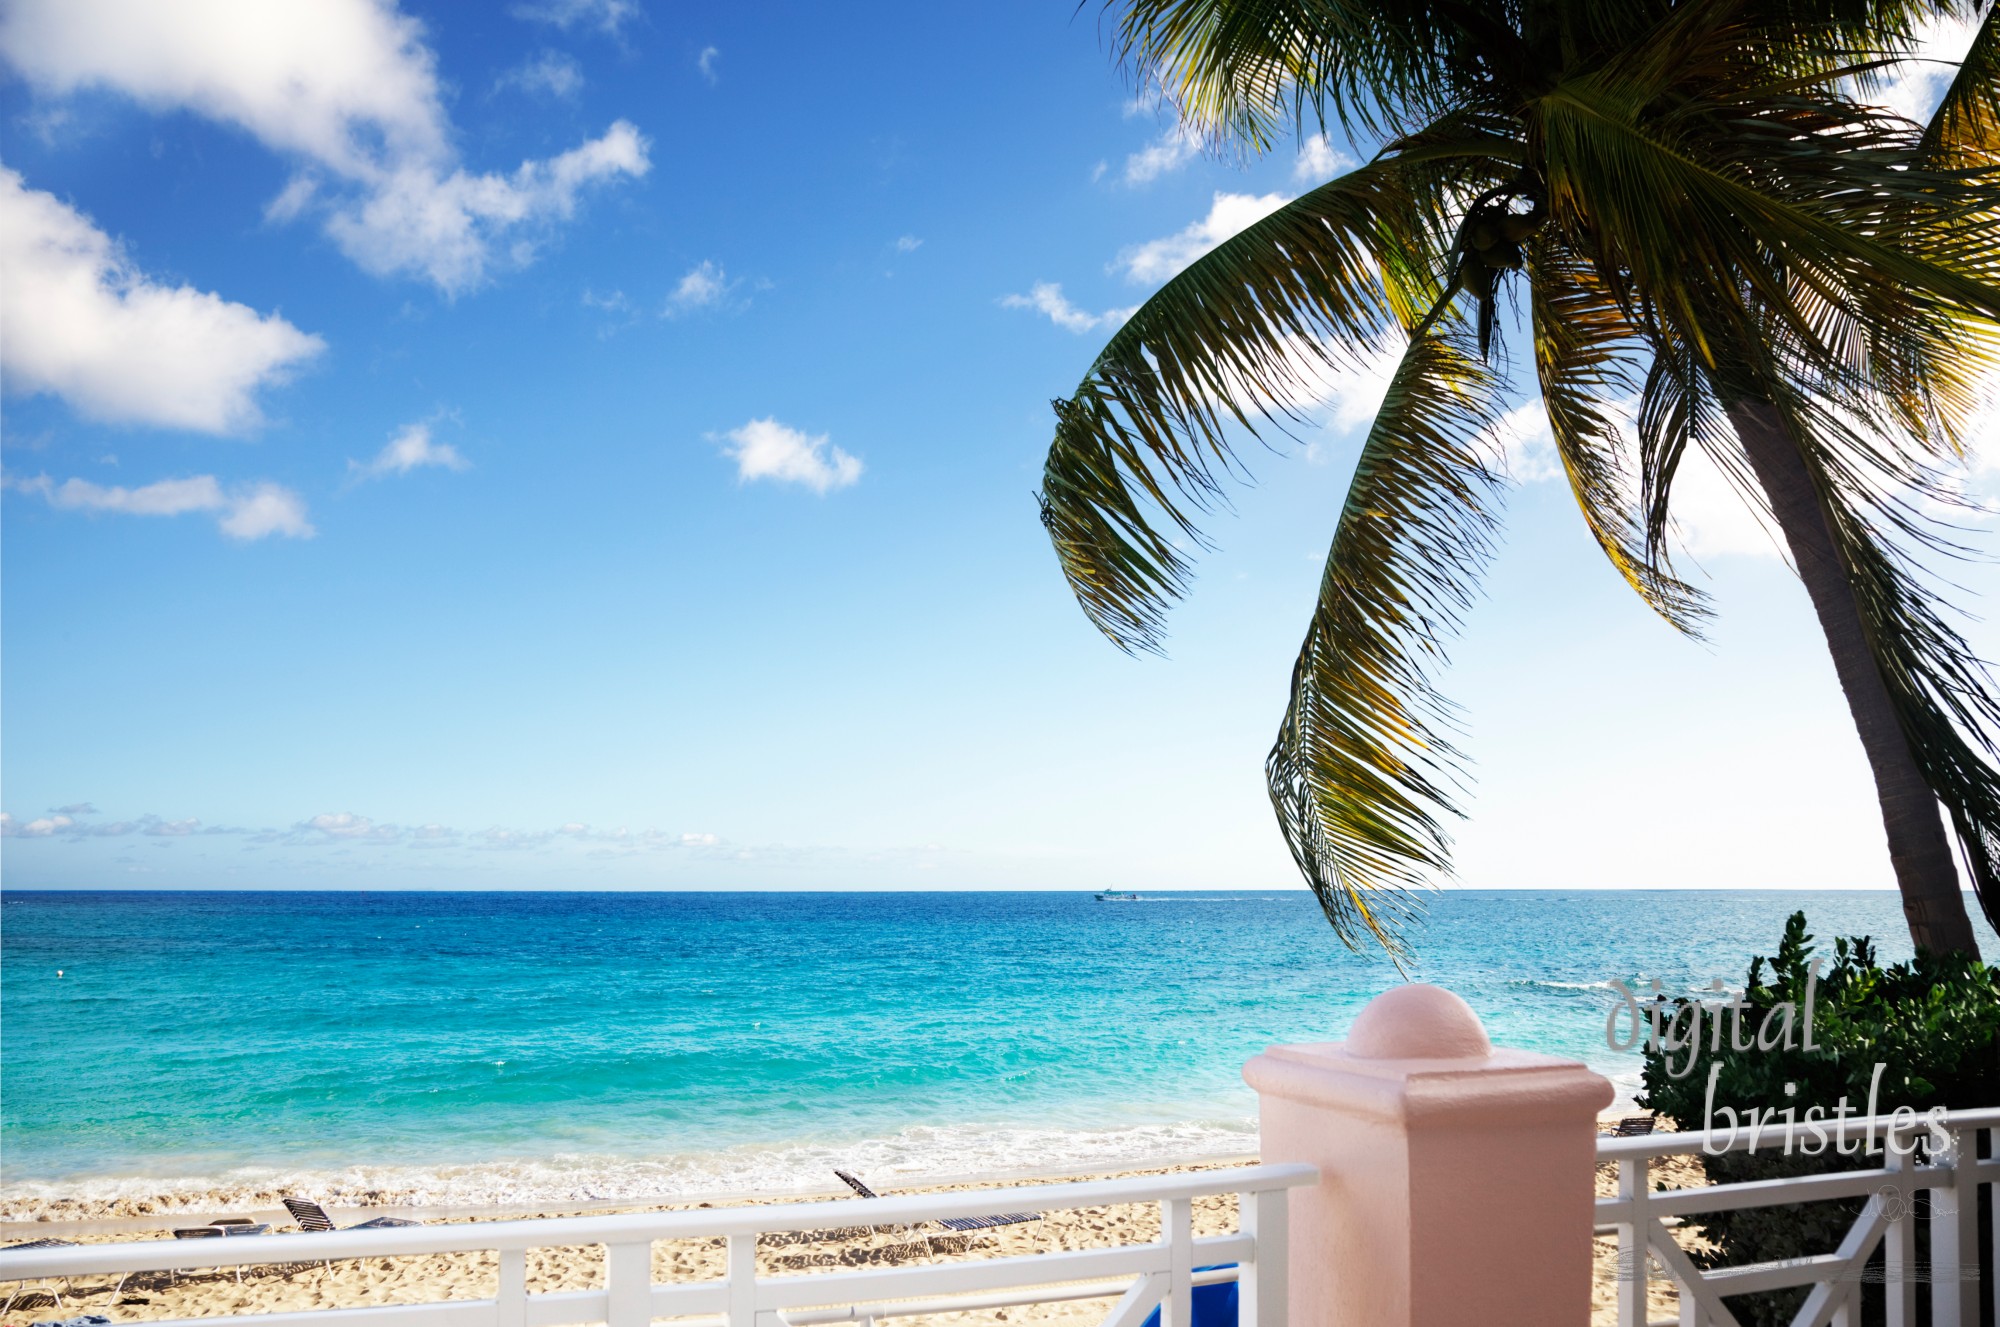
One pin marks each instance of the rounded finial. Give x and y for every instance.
(1418, 1022)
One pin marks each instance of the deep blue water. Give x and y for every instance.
(483, 1046)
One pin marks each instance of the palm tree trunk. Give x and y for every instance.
(1919, 851)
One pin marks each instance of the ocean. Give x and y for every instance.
(494, 1049)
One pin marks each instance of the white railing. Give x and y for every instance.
(1140, 1277)
(1949, 1182)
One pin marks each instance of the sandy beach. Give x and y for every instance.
(353, 1284)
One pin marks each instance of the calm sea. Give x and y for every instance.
(502, 1047)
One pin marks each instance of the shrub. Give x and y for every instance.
(1934, 1022)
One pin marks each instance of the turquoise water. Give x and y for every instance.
(494, 1047)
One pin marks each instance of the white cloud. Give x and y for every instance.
(766, 449)
(1914, 87)
(42, 828)
(1156, 260)
(247, 512)
(80, 321)
(346, 85)
(445, 227)
(1527, 446)
(1175, 149)
(551, 72)
(1046, 297)
(908, 244)
(1711, 518)
(704, 286)
(706, 63)
(1319, 161)
(411, 448)
(605, 15)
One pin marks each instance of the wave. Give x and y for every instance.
(916, 1155)
(1567, 987)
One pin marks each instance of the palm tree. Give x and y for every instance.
(1709, 223)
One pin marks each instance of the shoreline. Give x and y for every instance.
(197, 1207)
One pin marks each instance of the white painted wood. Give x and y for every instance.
(510, 1296)
(742, 1281)
(1140, 1300)
(1696, 1294)
(1263, 1290)
(1634, 1179)
(1177, 1225)
(628, 1284)
(1899, 1244)
(1845, 1277)
(1955, 1236)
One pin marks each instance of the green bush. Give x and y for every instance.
(1935, 1022)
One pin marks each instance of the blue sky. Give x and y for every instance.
(589, 443)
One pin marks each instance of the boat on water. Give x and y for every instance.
(1114, 896)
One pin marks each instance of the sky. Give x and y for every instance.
(590, 444)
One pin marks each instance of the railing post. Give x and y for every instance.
(1456, 1180)
(1177, 1229)
(628, 1284)
(1955, 1236)
(1260, 1287)
(1899, 1241)
(510, 1292)
(742, 1281)
(1635, 1185)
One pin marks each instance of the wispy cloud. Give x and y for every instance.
(247, 512)
(708, 63)
(63, 826)
(607, 16)
(79, 320)
(767, 449)
(908, 244)
(1156, 260)
(551, 73)
(1319, 161)
(1174, 149)
(703, 287)
(1046, 297)
(412, 448)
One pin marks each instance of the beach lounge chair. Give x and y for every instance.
(49, 1284)
(959, 1224)
(1633, 1126)
(312, 1217)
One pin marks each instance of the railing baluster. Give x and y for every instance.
(1177, 1225)
(510, 1294)
(1634, 1185)
(742, 1281)
(1955, 1237)
(1993, 1200)
(628, 1284)
(1899, 1242)
(1263, 1288)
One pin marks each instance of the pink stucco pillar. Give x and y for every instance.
(1456, 1179)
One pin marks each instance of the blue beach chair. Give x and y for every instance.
(1214, 1306)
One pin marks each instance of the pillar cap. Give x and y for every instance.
(1418, 1022)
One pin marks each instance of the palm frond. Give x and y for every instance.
(1145, 440)
(1965, 130)
(1362, 770)
(1587, 359)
